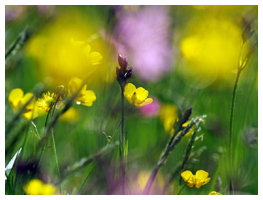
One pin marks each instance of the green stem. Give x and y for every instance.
(231, 122)
(181, 189)
(55, 153)
(122, 141)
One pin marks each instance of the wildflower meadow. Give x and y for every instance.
(131, 100)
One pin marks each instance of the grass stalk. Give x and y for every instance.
(122, 141)
(231, 126)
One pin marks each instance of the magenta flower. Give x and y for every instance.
(152, 109)
(143, 36)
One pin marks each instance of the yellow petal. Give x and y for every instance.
(142, 93)
(33, 187)
(146, 102)
(75, 84)
(186, 175)
(48, 189)
(201, 175)
(31, 113)
(15, 96)
(88, 98)
(214, 193)
(86, 49)
(128, 97)
(26, 98)
(185, 124)
(95, 58)
(207, 180)
(129, 89)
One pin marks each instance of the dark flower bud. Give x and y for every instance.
(122, 62)
(128, 74)
(187, 114)
(124, 72)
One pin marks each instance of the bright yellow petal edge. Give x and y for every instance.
(138, 96)
(85, 97)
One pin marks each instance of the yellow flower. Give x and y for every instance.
(17, 99)
(214, 193)
(37, 187)
(62, 49)
(138, 96)
(85, 97)
(47, 101)
(168, 116)
(199, 179)
(211, 49)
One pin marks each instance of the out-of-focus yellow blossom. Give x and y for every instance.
(138, 96)
(71, 115)
(144, 176)
(85, 97)
(62, 49)
(197, 180)
(47, 101)
(17, 99)
(211, 50)
(168, 116)
(214, 193)
(37, 187)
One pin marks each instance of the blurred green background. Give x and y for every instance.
(197, 69)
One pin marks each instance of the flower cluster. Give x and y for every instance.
(197, 180)
(48, 100)
(37, 187)
(33, 108)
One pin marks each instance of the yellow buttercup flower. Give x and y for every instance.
(138, 96)
(17, 99)
(37, 187)
(169, 116)
(62, 49)
(211, 49)
(85, 97)
(214, 193)
(47, 101)
(199, 179)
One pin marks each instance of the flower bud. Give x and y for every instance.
(128, 74)
(122, 62)
(124, 72)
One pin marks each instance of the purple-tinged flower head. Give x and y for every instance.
(144, 34)
(124, 72)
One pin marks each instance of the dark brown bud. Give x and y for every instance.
(122, 62)
(128, 74)
(187, 115)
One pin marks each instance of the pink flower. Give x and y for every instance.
(143, 36)
(152, 109)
